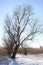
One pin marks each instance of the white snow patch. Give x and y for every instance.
(24, 60)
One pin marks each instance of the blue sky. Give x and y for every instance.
(7, 6)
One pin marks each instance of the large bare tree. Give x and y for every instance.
(20, 28)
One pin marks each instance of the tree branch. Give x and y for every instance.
(29, 36)
(24, 26)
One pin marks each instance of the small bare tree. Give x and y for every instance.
(19, 29)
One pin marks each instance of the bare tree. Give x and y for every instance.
(20, 28)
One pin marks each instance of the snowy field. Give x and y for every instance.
(23, 60)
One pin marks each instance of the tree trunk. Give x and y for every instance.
(17, 46)
(13, 55)
(14, 52)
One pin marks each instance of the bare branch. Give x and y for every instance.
(24, 27)
(23, 14)
(28, 36)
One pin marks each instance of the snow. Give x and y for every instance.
(30, 59)
(36, 59)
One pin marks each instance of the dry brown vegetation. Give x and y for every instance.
(3, 51)
(30, 51)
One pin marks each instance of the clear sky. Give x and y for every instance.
(7, 6)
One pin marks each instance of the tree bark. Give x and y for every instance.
(15, 52)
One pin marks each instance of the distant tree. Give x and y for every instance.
(19, 28)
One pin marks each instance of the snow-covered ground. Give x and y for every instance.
(24, 60)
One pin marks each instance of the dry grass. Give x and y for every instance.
(3, 51)
(30, 51)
